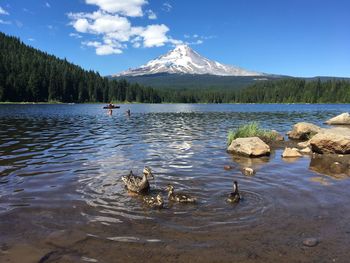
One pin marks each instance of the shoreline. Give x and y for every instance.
(165, 103)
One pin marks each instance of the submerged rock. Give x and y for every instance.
(342, 119)
(291, 153)
(251, 146)
(331, 165)
(228, 167)
(310, 242)
(65, 238)
(248, 171)
(336, 140)
(303, 131)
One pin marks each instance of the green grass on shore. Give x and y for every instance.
(252, 129)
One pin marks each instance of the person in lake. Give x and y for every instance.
(110, 112)
(128, 112)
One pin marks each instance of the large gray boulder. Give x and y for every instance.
(342, 119)
(303, 131)
(336, 140)
(251, 146)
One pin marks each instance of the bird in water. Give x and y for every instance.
(154, 202)
(138, 184)
(234, 197)
(179, 197)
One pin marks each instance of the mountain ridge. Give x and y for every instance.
(184, 60)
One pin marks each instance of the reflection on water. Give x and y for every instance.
(66, 161)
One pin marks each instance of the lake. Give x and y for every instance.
(62, 198)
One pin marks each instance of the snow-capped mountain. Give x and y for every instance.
(184, 60)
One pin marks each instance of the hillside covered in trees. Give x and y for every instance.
(27, 74)
(291, 90)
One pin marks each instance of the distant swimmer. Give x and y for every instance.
(128, 112)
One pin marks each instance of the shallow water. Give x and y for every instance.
(61, 166)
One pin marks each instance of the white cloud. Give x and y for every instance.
(75, 35)
(47, 5)
(113, 29)
(31, 39)
(131, 8)
(4, 22)
(151, 15)
(155, 35)
(104, 48)
(3, 11)
(167, 7)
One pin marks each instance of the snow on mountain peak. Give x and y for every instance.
(184, 60)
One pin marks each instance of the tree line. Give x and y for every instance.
(27, 74)
(290, 90)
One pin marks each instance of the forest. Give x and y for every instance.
(27, 74)
(30, 75)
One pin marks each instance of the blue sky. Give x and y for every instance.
(298, 38)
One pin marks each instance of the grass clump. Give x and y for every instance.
(252, 129)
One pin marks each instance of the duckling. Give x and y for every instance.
(138, 184)
(179, 197)
(154, 202)
(234, 197)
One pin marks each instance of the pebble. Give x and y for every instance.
(310, 242)
(248, 171)
(228, 167)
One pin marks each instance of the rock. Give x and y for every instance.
(228, 167)
(303, 131)
(291, 153)
(65, 238)
(342, 119)
(279, 137)
(251, 146)
(336, 140)
(331, 165)
(248, 171)
(306, 150)
(304, 144)
(337, 168)
(310, 242)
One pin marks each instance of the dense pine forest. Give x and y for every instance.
(27, 74)
(291, 90)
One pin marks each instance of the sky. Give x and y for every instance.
(301, 38)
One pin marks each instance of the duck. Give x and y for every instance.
(234, 197)
(138, 184)
(179, 197)
(154, 202)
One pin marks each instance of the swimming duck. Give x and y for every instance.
(234, 197)
(179, 197)
(138, 184)
(154, 202)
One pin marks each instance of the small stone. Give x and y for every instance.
(306, 150)
(291, 153)
(304, 144)
(228, 167)
(248, 171)
(310, 242)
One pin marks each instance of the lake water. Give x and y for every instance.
(62, 199)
